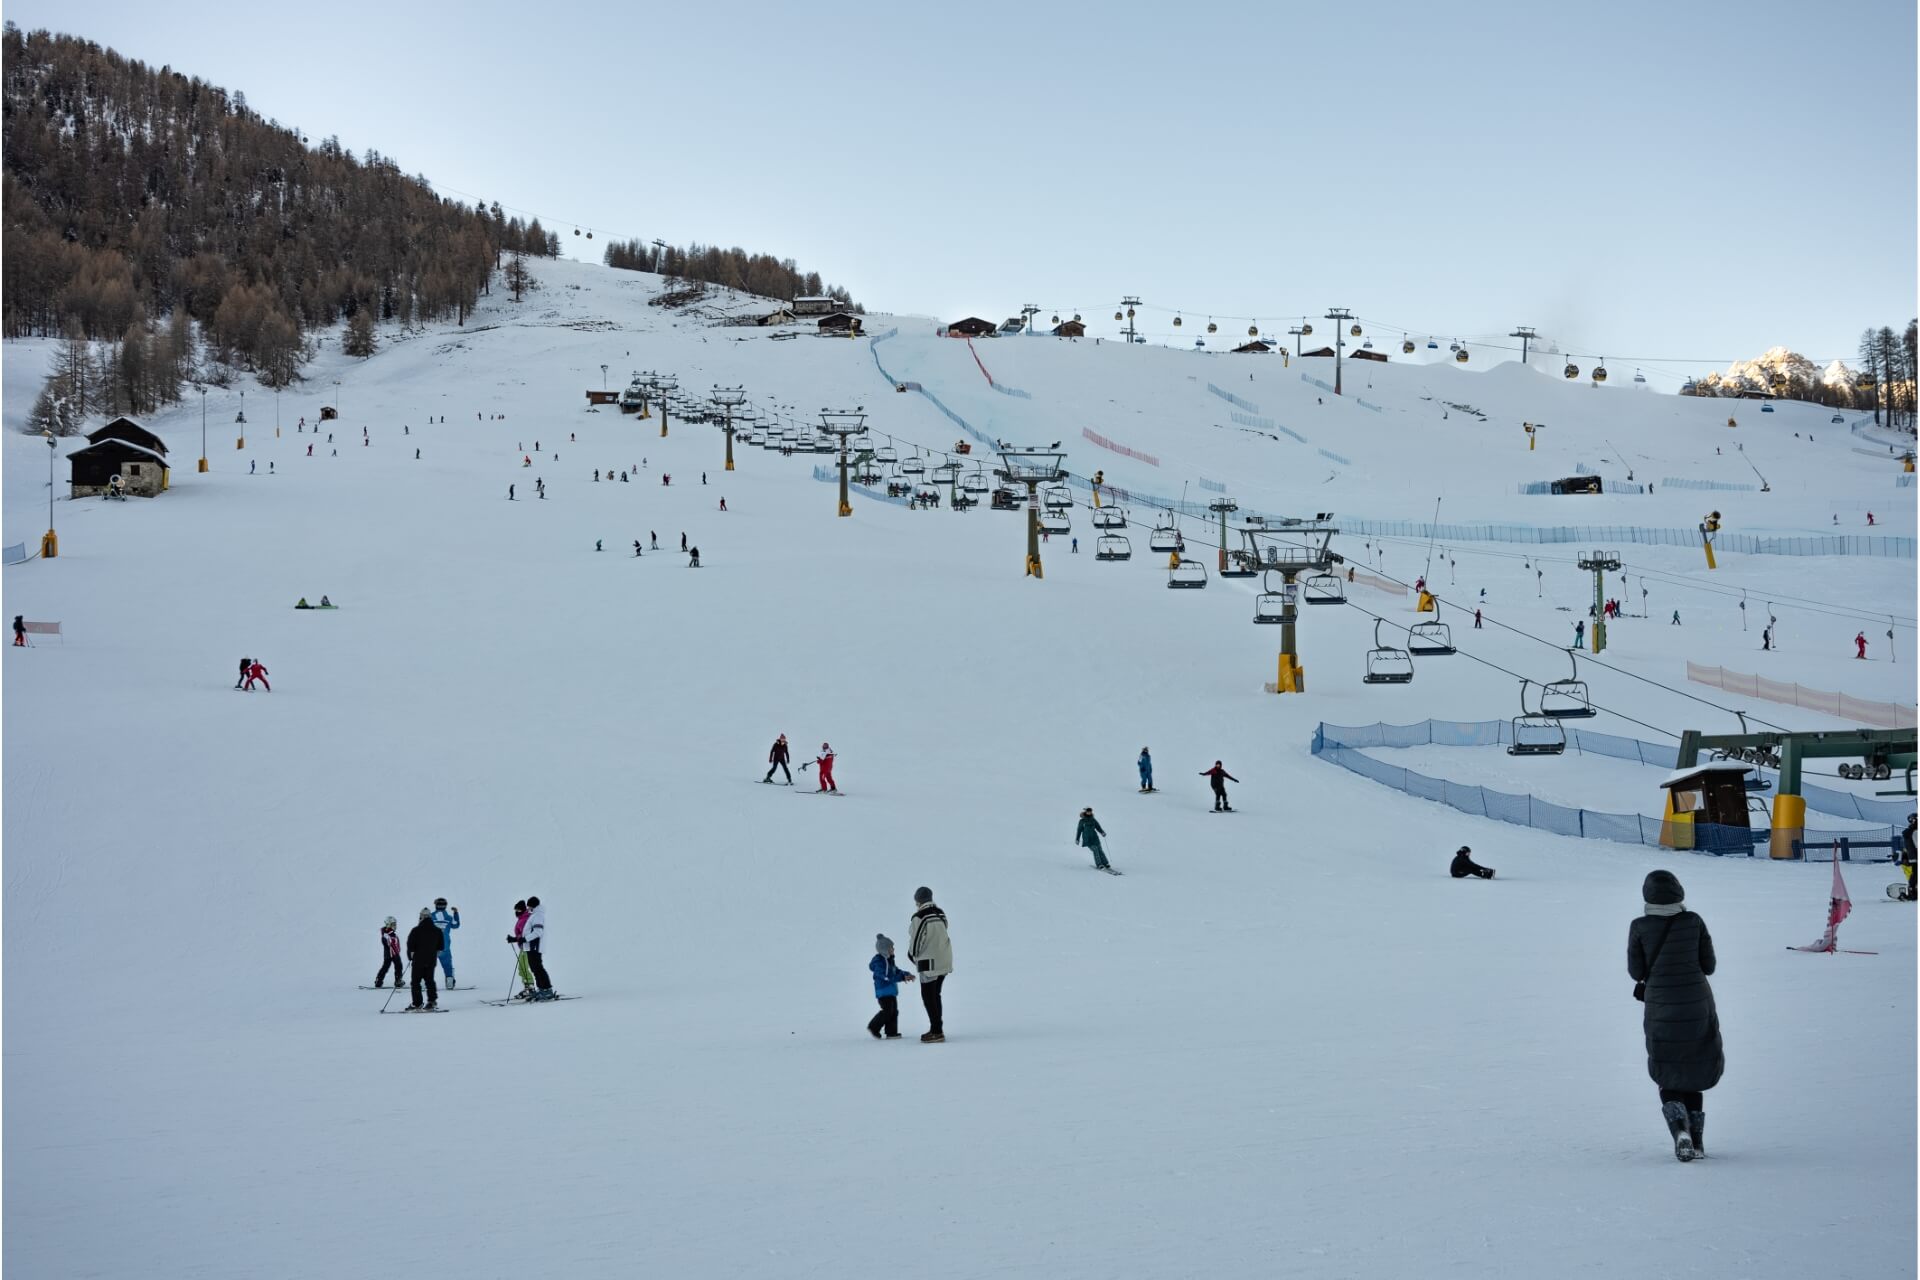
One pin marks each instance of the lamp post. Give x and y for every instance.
(603, 377)
(203, 428)
(336, 397)
(50, 545)
(240, 439)
(1339, 316)
(728, 398)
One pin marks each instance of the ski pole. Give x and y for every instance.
(514, 975)
(391, 994)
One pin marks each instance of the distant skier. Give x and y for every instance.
(20, 631)
(509, 493)
(256, 672)
(390, 957)
(777, 759)
(1476, 621)
(244, 664)
(636, 548)
(887, 977)
(694, 561)
(1579, 633)
(535, 937)
(1860, 645)
(1146, 770)
(683, 540)
(825, 761)
(1087, 834)
(1670, 957)
(1905, 858)
(1766, 638)
(423, 944)
(446, 919)
(517, 940)
(1464, 866)
(1676, 619)
(653, 540)
(723, 504)
(1219, 777)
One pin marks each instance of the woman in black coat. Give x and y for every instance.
(1670, 953)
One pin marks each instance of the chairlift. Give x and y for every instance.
(976, 482)
(886, 455)
(1599, 373)
(1766, 406)
(1836, 420)
(1534, 734)
(1112, 546)
(1571, 372)
(1565, 699)
(1165, 536)
(1056, 522)
(1270, 605)
(946, 473)
(1431, 639)
(913, 467)
(1109, 518)
(1639, 377)
(1386, 664)
(1187, 574)
(1432, 345)
(1460, 356)
(1326, 588)
(1056, 497)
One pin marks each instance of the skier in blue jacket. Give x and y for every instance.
(1146, 770)
(446, 919)
(887, 977)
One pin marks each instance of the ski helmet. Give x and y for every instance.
(439, 902)
(426, 913)
(390, 922)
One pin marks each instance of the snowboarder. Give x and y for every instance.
(509, 493)
(20, 630)
(1860, 645)
(535, 937)
(244, 664)
(1905, 858)
(636, 548)
(887, 977)
(446, 919)
(1146, 770)
(1219, 777)
(1464, 866)
(931, 951)
(517, 940)
(423, 944)
(694, 562)
(653, 540)
(255, 671)
(1476, 620)
(777, 759)
(1670, 957)
(1076, 546)
(683, 540)
(703, 477)
(390, 955)
(723, 504)
(1087, 834)
(1869, 519)
(825, 761)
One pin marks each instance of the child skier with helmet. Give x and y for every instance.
(825, 761)
(390, 954)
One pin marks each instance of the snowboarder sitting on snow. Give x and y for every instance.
(825, 761)
(887, 977)
(325, 603)
(777, 759)
(1088, 834)
(390, 954)
(1464, 866)
(1220, 778)
(303, 604)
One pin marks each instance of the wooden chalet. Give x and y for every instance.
(1070, 329)
(1364, 354)
(814, 306)
(841, 322)
(603, 397)
(1258, 347)
(1323, 352)
(125, 449)
(971, 327)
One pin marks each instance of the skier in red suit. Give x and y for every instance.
(257, 672)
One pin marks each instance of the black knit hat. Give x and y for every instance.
(923, 895)
(1662, 888)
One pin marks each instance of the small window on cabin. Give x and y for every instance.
(133, 468)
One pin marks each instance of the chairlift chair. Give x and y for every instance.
(1325, 588)
(1431, 639)
(1270, 605)
(1109, 518)
(886, 454)
(913, 467)
(1566, 699)
(1386, 664)
(1189, 574)
(1056, 497)
(1836, 420)
(946, 473)
(975, 483)
(1766, 406)
(1056, 522)
(1112, 546)
(1165, 537)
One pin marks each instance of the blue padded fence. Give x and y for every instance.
(1345, 746)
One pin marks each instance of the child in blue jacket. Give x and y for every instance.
(887, 977)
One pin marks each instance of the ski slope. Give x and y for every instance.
(1282, 1043)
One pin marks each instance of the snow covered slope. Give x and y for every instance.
(1282, 1043)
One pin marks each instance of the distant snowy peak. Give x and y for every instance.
(1770, 370)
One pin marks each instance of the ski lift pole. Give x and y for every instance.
(1600, 563)
(1224, 507)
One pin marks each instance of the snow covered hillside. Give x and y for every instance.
(1282, 1043)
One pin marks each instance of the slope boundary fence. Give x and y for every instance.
(1094, 436)
(1888, 715)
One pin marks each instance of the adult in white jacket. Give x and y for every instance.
(534, 938)
(932, 954)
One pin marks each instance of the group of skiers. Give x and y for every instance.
(251, 671)
(779, 755)
(931, 951)
(430, 941)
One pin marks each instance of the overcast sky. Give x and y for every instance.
(1694, 181)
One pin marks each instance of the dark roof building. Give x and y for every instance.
(1322, 351)
(1070, 329)
(1256, 347)
(132, 432)
(1364, 354)
(840, 322)
(971, 327)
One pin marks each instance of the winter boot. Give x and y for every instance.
(933, 1037)
(451, 984)
(1696, 1129)
(1675, 1114)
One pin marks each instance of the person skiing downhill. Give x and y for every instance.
(825, 761)
(887, 977)
(1146, 770)
(777, 759)
(517, 940)
(1087, 834)
(255, 671)
(390, 954)
(535, 937)
(423, 944)
(1670, 957)
(19, 630)
(446, 920)
(1219, 777)
(1860, 645)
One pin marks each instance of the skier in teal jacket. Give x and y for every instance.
(1088, 833)
(446, 919)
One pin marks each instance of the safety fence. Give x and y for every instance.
(15, 554)
(878, 495)
(1614, 535)
(1288, 431)
(1122, 450)
(1867, 429)
(1343, 745)
(1328, 453)
(873, 347)
(1727, 486)
(1251, 420)
(1312, 381)
(1888, 715)
(1212, 486)
(1234, 400)
(1387, 585)
(1904, 480)
(1366, 404)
